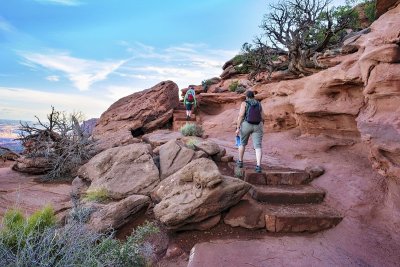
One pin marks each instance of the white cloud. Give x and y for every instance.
(5, 25)
(53, 78)
(81, 72)
(185, 64)
(117, 92)
(24, 103)
(61, 2)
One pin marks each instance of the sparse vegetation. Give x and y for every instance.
(60, 141)
(299, 30)
(236, 87)
(192, 129)
(17, 229)
(97, 195)
(192, 143)
(35, 241)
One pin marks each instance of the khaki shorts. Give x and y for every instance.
(255, 130)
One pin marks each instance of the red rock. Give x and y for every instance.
(246, 215)
(383, 6)
(207, 224)
(160, 137)
(137, 112)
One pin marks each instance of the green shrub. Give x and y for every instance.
(233, 86)
(191, 143)
(17, 228)
(370, 10)
(97, 195)
(76, 245)
(191, 129)
(40, 220)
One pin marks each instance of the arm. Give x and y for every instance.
(242, 112)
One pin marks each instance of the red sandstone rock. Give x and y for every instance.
(137, 112)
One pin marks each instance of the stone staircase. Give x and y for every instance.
(286, 202)
(179, 117)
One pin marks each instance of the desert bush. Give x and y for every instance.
(76, 245)
(236, 87)
(191, 143)
(97, 195)
(233, 86)
(192, 129)
(60, 141)
(16, 228)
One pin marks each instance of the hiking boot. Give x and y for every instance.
(239, 164)
(258, 169)
(187, 117)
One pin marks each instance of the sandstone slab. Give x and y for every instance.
(246, 215)
(287, 194)
(116, 214)
(300, 218)
(173, 157)
(137, 112)
(122, 171)
(196, 192)
(160, 137)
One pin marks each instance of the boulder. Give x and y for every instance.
(205, 225)
(160, 137)
(122, 171)
(79, 186)
(116, 214)
(229, 72)
(173, 157)
(39, 165)
(137, 112)
(382, 6)
(106, 141)
(315, 171)
(8, 154)
(245, 215)
(194, 193)
(209, 147)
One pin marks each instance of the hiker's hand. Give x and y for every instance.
(237, 131)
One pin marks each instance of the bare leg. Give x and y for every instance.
(258, 156)
(241, 152)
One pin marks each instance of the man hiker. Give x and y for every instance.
(250, 122)
(189, 100)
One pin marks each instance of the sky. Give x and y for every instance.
(83, 55)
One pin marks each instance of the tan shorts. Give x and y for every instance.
(256, 132)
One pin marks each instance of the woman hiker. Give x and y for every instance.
(250, 122)
(189, 100)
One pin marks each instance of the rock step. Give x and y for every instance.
(300, 218)
(273, 177)
(182, 117)
(287, 194)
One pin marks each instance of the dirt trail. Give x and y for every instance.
(21, 191)
(368, 234)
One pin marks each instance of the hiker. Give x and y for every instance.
(204, 84)
(250, 122)
(189, 100)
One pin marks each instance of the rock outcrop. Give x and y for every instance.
(174, 156)
(114, 215)
(122, 171)
(37, 165)
(196, 192)
(140, 112)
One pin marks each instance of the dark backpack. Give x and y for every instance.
(253, 114)
(190, 97)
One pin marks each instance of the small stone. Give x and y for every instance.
(315, 171)
(227, 158)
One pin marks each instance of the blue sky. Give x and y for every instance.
(83, 55)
